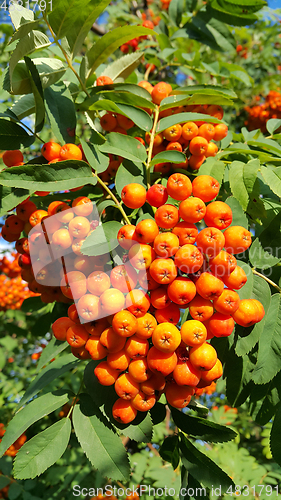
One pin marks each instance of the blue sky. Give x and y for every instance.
(274, 4)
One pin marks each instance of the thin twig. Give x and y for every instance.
(75, 400)
(267, 279)
(118, 204)
(151, 447)
(152, 136)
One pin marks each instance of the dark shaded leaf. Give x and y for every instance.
(201, 428)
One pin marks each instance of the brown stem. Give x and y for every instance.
(153, 449)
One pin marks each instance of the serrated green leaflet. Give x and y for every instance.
(103, 239)
(50, 70)
(20, 16)
(168, 156)
(43, 450)
(57, 368)
(169, 450)
(117, 96)
(202, 429)
(53, 348)
(238, 216)
(140, 430)
(106, 45)
(28, 44)
(11, 197)
(206, 89)
(272, 177)
(141, 118)
(13, 136)
(202, 467)
(103, 448)
(56, 177)
(221, 11)
(272, 125)
(125, 146)
(208, 98)
(260, 258)
(37, 93)
(169, 121)
(120, 69)
(73, 19)
(31, 413)
(61, 112)
(269, 355)
(213, 168)
(24, 106)
(98, 161)
(275, 437)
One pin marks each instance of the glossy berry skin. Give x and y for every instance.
(157, 195)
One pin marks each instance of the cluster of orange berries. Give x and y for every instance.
(51, 234)
(133, 45)
(14, 448)
(51, 151)
(209, 390)
(129, 315)
(259, 114)
(243, 52)
(194, 138)
(13, 291)
(10, 267)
